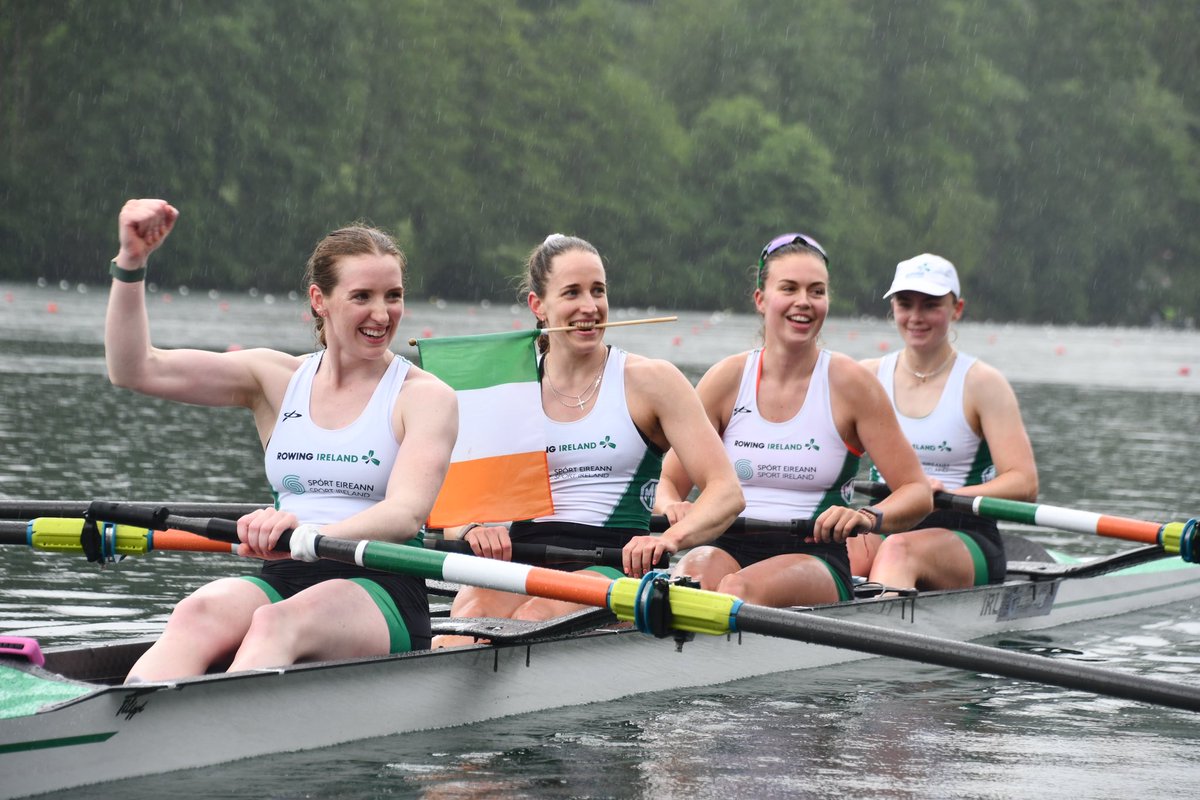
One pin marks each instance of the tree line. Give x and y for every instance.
(1049, 149)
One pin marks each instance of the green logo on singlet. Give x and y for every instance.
(370, 456)
(607, 442)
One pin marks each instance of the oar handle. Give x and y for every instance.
(161, 518)
(945, 500)
(225, 530)
(749, 526)
(531, 553)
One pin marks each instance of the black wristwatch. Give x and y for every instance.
(877, 515)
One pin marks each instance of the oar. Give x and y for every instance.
(749, 526)
(29, 509)
(66, 535)
(104, 542)
(529, 553)
(1180, 538)
(660, 607)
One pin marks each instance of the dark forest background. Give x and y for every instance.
(1050, 149)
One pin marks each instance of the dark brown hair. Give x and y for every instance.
(537, 268)
(353, 240)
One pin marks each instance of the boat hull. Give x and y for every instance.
(113, 732)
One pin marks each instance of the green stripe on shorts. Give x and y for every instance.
(400, 642)
(977, 558)
(842, 589)
(267, 588)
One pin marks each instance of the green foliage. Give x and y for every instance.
(1049, 149)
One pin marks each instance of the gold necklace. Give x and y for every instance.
(580, 400)
(924, 376)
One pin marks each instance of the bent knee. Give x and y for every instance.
(899, 547)
(735, 584)
(207, 609)
(706, 564)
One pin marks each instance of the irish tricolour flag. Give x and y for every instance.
(498, 468)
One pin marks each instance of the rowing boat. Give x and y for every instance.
(86, 728)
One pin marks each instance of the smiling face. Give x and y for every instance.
(575, 294)
(924, 319)
(794, 300)
(365, 305)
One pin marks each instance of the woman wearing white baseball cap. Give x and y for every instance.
(962, 418)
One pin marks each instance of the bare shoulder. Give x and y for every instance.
(425, 387)
(848, 375)
(267, 360)
(652, 377)
(871, 365)
(984, 376)
(986, 387)
(271, 369)
(726, 373)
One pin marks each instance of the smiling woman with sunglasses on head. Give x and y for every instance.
(795, 420)
(962, 417)
(317, 415)
(609, 416)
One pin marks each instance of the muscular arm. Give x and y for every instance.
(427, 416)
(860, 402)
(693, 439)
(990, 399)
(717, 390)
(190, 376)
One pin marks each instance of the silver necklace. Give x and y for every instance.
(924, 376)
(580, 400)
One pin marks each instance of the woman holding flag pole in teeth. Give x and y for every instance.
(609, 416)
(353, 414)
(795, 419)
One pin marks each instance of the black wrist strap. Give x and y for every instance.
(127, 275)
(877, 515)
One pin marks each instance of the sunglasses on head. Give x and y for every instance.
(783, 241)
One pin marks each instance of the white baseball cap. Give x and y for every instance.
(927, 274)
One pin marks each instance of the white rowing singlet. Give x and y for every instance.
(323, 475)
(794, 469)
(945, 444)
(602, 471)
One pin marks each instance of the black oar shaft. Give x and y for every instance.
(834, 632)
(13, 532)
(162, 518)
(29, 509)
(530, 553)
(750, 526)
(225, 530)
